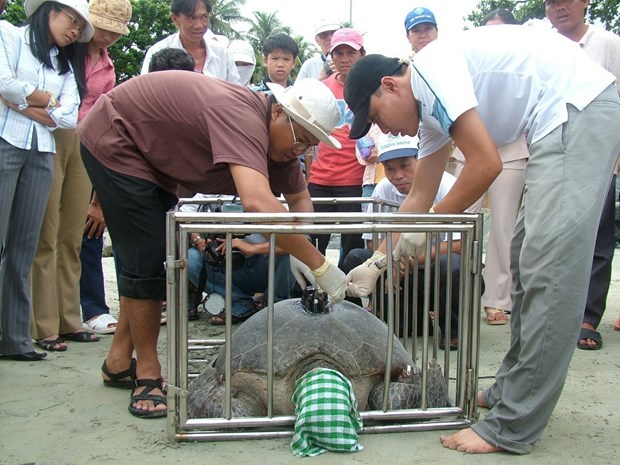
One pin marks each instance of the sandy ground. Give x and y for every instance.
(58, 412)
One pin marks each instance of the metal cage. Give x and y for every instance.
(187, 356)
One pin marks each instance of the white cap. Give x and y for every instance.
(80, 7)
(241, 50)
(390, 147)
(326, 24)
(311, 104)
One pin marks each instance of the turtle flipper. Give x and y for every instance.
(407, 392)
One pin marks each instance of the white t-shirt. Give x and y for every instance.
(220, 64)
(604, 48)
(311, 68)
(519, 79)
(386, 191)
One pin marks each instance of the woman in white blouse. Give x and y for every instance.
(38, 93)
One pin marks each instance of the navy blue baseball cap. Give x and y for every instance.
(418, 16)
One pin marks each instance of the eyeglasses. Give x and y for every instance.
(296, 144)
(74, 21)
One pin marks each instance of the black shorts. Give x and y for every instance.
(135, 213)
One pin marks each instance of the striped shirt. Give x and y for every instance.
(21, 74)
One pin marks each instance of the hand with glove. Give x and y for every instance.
(302, 273)
(363, 278)
(332, 280)
(411, 244)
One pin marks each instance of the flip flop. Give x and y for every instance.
(50, 344)
(586, 333)
(491, 315)
(81, 336)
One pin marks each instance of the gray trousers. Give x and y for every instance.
(566, 181)
(25, 180)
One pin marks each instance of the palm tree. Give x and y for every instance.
(306, 50)
(224, 13)
(262, 26)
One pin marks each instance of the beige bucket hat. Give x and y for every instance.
(111, 15)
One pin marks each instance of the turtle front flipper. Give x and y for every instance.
(406, 393)
(207, 394)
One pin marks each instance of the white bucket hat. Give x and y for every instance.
(311, 104)
(80, 7)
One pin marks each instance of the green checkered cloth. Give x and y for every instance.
(327, 416)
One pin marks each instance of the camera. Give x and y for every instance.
(216, 258)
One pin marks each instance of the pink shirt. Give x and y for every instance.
(100, 79)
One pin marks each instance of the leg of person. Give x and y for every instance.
(242, 303)
(26, 180)
(321, 240)
(74, 199)
(355, 258)
(459, 164)
(600, 277)
(135, 208)
(349, 242)
(451, 310)
(283, 279)
(556, 231)
(505, 196)
(45, 309)
(95, 312)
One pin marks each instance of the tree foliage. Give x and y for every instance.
(224, 13)
(607, 12)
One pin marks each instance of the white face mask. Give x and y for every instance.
(245, 72)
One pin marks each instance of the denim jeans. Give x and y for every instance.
(246, 281)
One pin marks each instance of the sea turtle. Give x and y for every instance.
(346, 338)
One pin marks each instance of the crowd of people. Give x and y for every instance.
(79, 155)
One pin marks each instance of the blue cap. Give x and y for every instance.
(418, 16)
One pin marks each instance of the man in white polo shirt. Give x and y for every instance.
(483, 88)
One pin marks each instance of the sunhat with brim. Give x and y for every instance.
(312, 105)
(110, 15)
(80, 7)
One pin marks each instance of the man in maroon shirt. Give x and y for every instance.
(160, 130)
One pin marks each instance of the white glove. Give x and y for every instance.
(363, 278)
(302, 273)
(332, 280)
(410, 245)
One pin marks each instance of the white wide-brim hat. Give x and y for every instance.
(80, 7)
(311, 104)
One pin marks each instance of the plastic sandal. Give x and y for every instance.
(101, 324)
(150, 385)
(118, 380)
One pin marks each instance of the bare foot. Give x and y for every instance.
(469, 442)
(481, 401)
(495, 316)
(617, 324)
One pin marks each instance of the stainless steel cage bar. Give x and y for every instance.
(462, 379)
